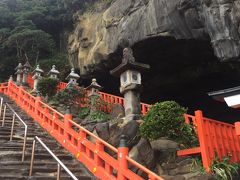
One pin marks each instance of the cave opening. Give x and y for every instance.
(183, 71)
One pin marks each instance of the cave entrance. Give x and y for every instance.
(183, 71)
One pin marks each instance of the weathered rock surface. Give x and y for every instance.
(98, 35)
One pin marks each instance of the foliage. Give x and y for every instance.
(69, 95)
(99, 116)
(32, 30)
(165, 119)
(60, 60)
(48, 86)
(223, 169)
(84, 112)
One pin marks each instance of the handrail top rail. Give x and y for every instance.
(56, 158)
(14, 112)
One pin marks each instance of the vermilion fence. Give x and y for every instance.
(88, 148)
(107, 98)
(214, 137)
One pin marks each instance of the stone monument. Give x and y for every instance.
(72, 78)
(93, 95)
(130, 80)
(26, 70)
(53, 72)
(36, 77)
(19, 71)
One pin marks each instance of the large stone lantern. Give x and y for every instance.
(26, 70)
(130, 80)
(19, 71)
(93, 95)
(53, 72)
(36, 77)
(72, 78)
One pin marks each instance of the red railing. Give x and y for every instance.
(87, 147)
(4, 88)
(214, 137)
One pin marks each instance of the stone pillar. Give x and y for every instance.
(36, 77)
(130, 79)
(93, 94)
(26, 69)
(19, 72)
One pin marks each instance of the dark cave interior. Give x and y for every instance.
(183, 71)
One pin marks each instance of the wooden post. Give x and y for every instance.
(237, 127)
(202, 140)
(122, 160)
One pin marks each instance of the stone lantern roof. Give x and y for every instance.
(27, 65)
(20, 66)
(73, 75)
(38, 70)
(128, 63)
(53, 70)
(94, 85)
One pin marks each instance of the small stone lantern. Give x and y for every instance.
(26, 70)
(130, 79)
(93, 95)
(19, 71)
(36, 77)
(72, 78)
(53, 72)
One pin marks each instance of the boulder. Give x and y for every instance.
(117, 111)
(102, 130)
(164, 145)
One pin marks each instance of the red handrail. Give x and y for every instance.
(87, 147)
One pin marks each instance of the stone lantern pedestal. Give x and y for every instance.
(19, 71)
(93, 95)
(130, 80)
(26, 70)
(36, 77)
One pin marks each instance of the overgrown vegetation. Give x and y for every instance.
(33, 30)
(165, 119)
(224, 169)
(48, 86)
(68, 96)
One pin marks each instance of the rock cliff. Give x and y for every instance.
(98, 35)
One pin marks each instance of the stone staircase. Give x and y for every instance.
(45, 167)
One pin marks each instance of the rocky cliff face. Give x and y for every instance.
(126, 22)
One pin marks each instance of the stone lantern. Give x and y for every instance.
(19, 71)
(36, 77)
(26, 70)
(53, 72)
(93, 95)
(130, 80)
(72, 78)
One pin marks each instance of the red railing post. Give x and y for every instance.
(237, 127)
(37, 106)
(68, 116)
(122, 160)
(202, 140)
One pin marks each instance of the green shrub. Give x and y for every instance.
(48, 86)
(84, 112)
(99, 116)
(224, 169)
(165, 119)
(69, 95)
